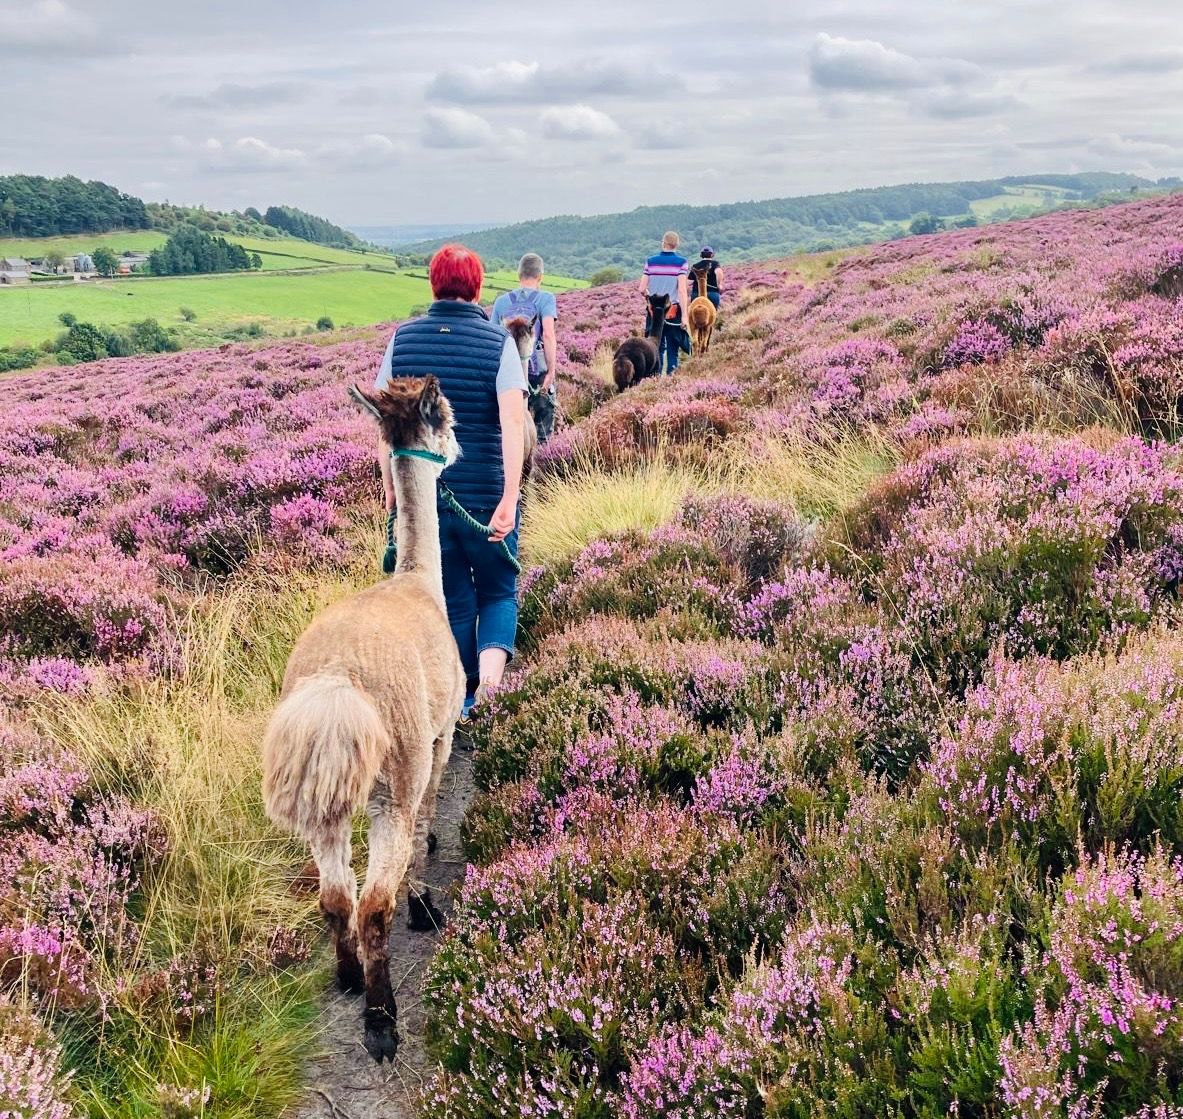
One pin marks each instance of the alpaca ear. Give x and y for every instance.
(429, 401)
(365, 401)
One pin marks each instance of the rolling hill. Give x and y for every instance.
(748, 231)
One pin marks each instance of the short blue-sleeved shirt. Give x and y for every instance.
(544, 303)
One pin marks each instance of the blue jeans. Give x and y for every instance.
(670, 351)
(715, 298)
(480, 588)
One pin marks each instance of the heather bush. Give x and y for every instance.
(33, 1080)
(569, 955)
(671, 570)
(1106, 1034)
(1051, 756)
(794, 1037)
(1045, 548)
(759, 537)
(958, 1002)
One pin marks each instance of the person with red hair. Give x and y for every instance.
(480, 372)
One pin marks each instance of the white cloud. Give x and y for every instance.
(479, 84)
(368, 152)
(455, 128)
(246, 154)
(864, 65)
(514, 81)
(1113, 146)
(847, 71)
(663, 136)
(577, 122)
(958, 104)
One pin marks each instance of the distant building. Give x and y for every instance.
(132, 262)
(14, 270)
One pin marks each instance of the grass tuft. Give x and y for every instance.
(563, 514)
(818, 478)
(188, 748)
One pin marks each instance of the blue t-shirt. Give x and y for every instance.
(527, 302)
(511, 303)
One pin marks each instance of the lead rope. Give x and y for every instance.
(390, 552)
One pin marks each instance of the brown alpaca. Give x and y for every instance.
(366, 715)
(634, 360)
(638, 358)
(521, 330)
(700, 318)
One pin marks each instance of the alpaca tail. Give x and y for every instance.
(321, 752)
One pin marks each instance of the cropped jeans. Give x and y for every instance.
(480, 589)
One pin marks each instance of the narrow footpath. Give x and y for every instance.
(343, 1082)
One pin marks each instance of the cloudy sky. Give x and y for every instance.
(393, 112)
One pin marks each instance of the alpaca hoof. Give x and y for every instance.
(351, 977)
(381, 1036)
(424, 914)
(432, 842)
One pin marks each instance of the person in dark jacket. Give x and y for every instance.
(480, 372)
(706, 277)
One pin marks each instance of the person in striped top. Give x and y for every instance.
(667, 273)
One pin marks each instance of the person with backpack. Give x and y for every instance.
(665, 274)
(529, 301)
(705, 277)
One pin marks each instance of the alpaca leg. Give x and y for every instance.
(338, 893)
(424, 916)
(390, 854)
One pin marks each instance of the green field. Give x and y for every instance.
(351, 288)
(277, 253)
(1018, 197)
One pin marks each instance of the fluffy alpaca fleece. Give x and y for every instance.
(700, 318)
(634, 360)
(369, 704)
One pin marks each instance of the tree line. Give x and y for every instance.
(190, 251)
(307, 226)
(33, 206)
(581, 246)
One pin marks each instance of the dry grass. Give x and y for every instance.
(601, 366)
(187, 748)
(564, 514)
(818, 479)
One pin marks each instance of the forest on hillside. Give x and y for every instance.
(33, 206)
(777, 227)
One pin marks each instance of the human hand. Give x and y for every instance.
(548, 382)
(504, 518)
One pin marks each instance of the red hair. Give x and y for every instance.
(456, 273)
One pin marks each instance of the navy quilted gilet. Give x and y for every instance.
(458, 343)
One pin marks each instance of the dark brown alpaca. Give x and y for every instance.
(637, 358)
(634, 360)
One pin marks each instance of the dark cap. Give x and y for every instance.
(707, 251)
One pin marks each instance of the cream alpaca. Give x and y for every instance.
(366, 716)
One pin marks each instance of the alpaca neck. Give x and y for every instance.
(418, 521)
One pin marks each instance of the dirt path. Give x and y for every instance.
(343, 1082)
